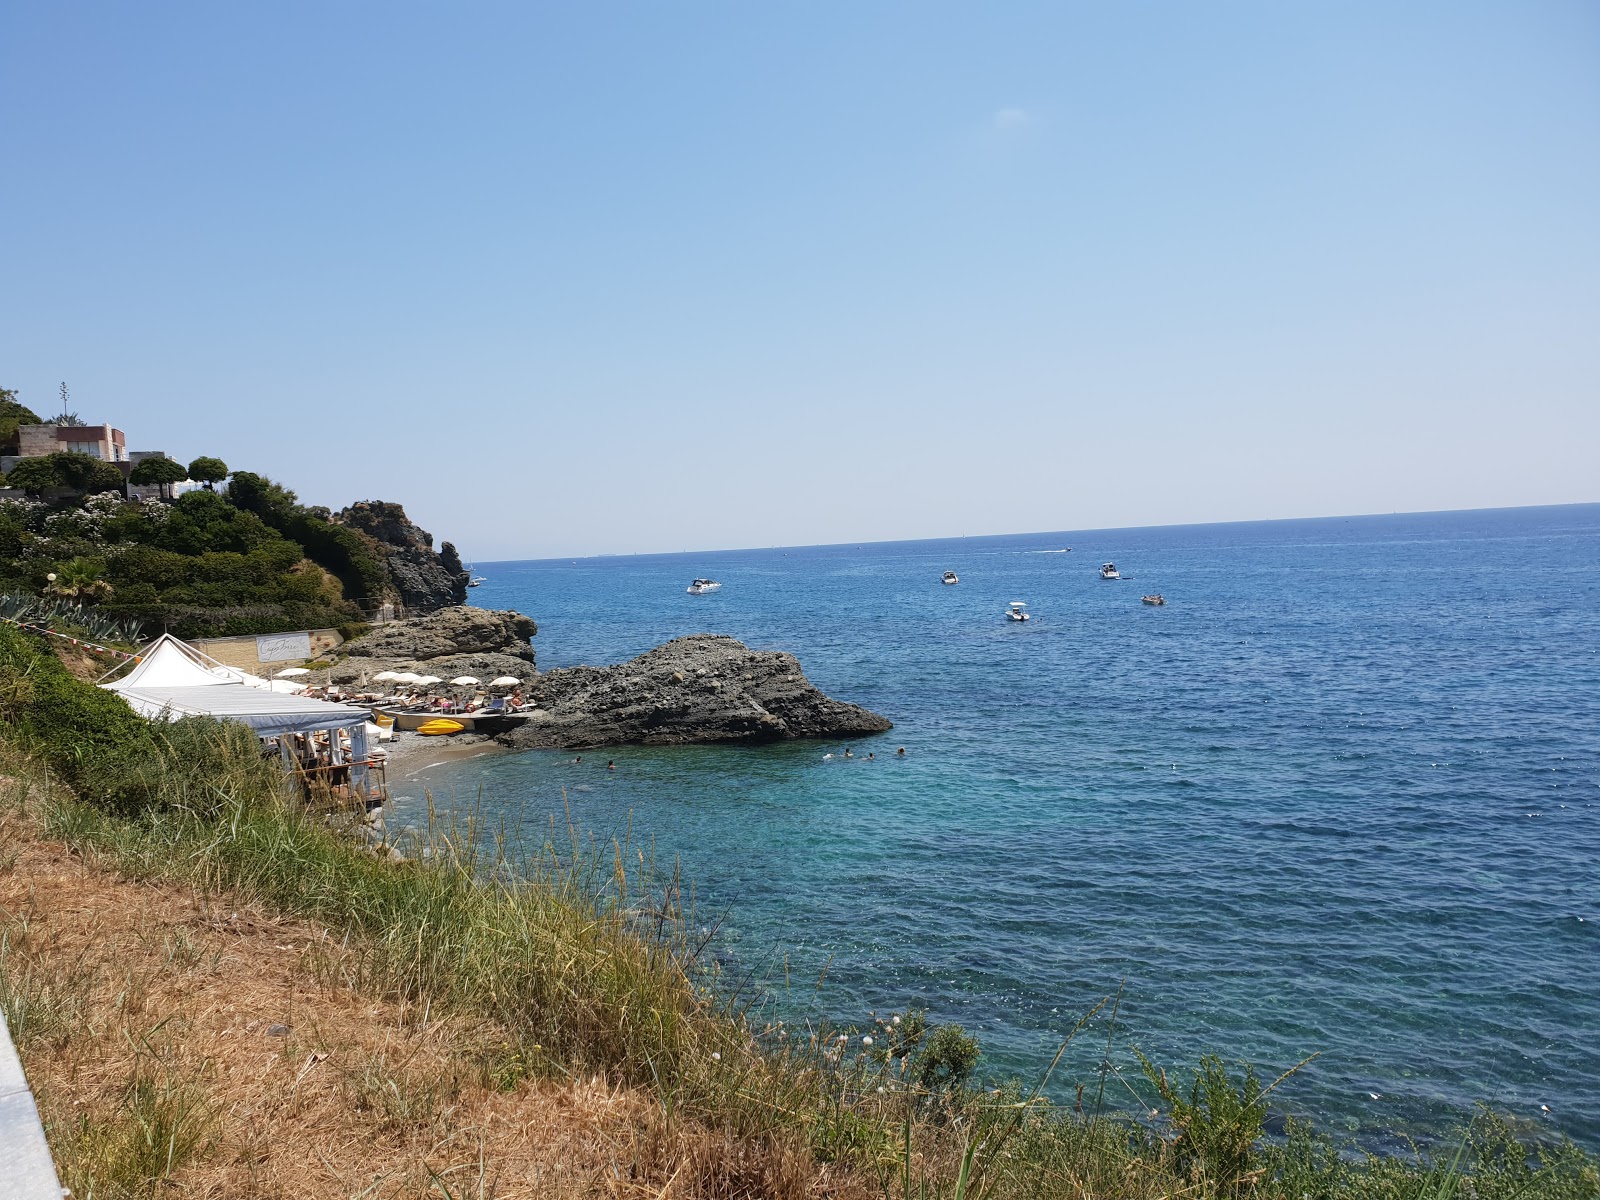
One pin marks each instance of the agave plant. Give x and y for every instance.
(49, 611)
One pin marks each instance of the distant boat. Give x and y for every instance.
(1158, 598)
(1018, 611)
(950, 577)
(477, 581)
(1109, 571)
(701, 586)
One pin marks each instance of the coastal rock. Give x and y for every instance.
(450, 631)
(448, 643)
(423, 579)
(702, 688)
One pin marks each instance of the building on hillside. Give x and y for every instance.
(97, 441)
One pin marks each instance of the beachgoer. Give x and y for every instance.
(610, 766)
(871, 755)
(900, 753)
(847, 754)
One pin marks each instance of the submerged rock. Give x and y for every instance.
(702, 688)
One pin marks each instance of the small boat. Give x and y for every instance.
(1158, 598)
(477, 581)
(1018, 611)
(950, 577)
(1109, 571)
(701, 586)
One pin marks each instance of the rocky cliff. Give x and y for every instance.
(423, 580)
(703, 688)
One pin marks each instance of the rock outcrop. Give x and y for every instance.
(703, 688)
(423, 580)
(450, 642)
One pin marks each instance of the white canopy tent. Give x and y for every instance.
(173, 680)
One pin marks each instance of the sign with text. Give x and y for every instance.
(279, 647)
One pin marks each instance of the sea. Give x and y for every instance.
(1339, 796)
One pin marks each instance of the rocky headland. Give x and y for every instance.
(701, 688)
(422, 578)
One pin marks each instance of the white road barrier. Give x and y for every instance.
(26, 1169)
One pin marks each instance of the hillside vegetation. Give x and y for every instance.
(249, 558)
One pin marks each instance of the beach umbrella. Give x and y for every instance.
(291, 672)
(385, 677)
(464, 681)
(429, 679)
(407, 677)
(505, 681)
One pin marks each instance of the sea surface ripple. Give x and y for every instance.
(1340, 795)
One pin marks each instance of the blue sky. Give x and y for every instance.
(615, 277)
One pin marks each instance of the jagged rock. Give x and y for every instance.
(450, 631)
(703, 688)
(423, 579)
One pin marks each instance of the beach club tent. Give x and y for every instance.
(172, 680)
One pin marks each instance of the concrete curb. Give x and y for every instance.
(27, 1171)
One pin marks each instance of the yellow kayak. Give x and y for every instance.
(440, 726)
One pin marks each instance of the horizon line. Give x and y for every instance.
(1430, 512)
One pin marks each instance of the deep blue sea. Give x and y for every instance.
(1341, 795)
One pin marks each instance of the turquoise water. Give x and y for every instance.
(1340, 795)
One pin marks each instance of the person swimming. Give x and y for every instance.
(847, 754)
(871, 755)
(900, 753)
(610, 765)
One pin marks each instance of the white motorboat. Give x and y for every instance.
(1109, 571)
(950, 577)
(701, 586)
(477, 581)
(1018, 611)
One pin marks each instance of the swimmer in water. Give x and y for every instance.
(847, 754)
(871, 755)
(610, 766)
(900, 753)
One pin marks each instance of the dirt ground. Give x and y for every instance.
(163, 1026)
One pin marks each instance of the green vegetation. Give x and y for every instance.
(248, 560)
(13, 414)
(586, 958)
(164, 472)
(209, 471)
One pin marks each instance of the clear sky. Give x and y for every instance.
(606, 277)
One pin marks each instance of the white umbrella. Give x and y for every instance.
(291, 672)
(385, 677)
(429, 679)
(408, 677)
(464, 681)
(505, 681)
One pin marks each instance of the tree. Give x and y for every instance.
(209, 471)
(34, 475)
(86, 473)
(163, 472)
(12, 416)
(272, 502)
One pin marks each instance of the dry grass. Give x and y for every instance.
(152, 1023)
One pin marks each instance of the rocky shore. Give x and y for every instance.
(701, 688)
